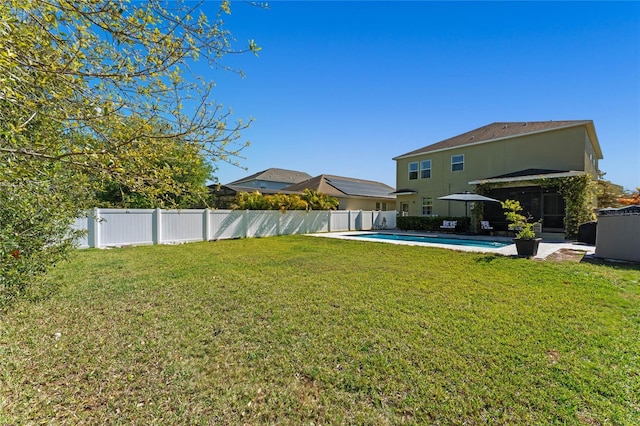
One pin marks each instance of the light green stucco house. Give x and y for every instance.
(510, 156)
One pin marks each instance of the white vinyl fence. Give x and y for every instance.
(123, 227)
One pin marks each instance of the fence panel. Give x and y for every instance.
(384, 219)
(82, 223)
(317, 221)
(390, 217)
(293, 222)
(339, 221)
(366, 221)
(178, 226)
(262, 223)
(354, 220)
(118, 227)
(125, 227)
(226, 224)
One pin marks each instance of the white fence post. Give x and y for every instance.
(278, 224)
(157, 227)
(94, 229)
(245, 225)
(206, 225)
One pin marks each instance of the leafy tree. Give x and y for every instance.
(318, 201)
(95, 92)
(631, 199)
(176, 177)
(608, 193)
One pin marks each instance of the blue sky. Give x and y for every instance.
(343, 87)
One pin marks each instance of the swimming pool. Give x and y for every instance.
(466, 242)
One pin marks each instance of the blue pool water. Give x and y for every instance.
(435, 239)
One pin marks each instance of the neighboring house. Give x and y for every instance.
(353, 194)
(270, 181)
(511, 157)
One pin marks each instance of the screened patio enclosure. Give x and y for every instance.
(544, 204)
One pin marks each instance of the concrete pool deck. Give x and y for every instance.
(546, 248)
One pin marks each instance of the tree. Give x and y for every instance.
(100, 91)
(175, 175)
(631, 199)
(308, 200)
(608, 193)
(318, 201)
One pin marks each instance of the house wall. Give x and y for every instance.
(563, 149)
(353, 203)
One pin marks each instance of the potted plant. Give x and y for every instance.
(525, 238)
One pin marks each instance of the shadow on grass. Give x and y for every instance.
(490, 258)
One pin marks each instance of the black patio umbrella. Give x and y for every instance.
(468, 197)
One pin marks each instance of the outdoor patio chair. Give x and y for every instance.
(484, 224)
(486, 227)
(449, 225)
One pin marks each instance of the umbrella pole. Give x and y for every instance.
(466, 218)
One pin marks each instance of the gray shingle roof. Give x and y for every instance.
(345, 186)
(275, 175)
(495, 131)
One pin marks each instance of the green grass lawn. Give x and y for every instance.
(301, 330)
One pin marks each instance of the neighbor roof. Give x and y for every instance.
(344, 186)
(234, 189)
(505, 130)
(274, 175)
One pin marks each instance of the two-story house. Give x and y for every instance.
(512, 157)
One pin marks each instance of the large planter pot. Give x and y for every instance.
(527, 247)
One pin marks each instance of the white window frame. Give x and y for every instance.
(457, 163)
(416, 171)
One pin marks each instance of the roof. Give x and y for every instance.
(529, 172)
(234, 189)
(528, 175)
(505, 130)
(339, 186)
(274, 175)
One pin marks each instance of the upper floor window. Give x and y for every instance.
(413, 171)
(425, 169)
(457, 162)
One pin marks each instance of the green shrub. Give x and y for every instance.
(34, 234)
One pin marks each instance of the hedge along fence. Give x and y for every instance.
(122, 227)
(430, 223)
